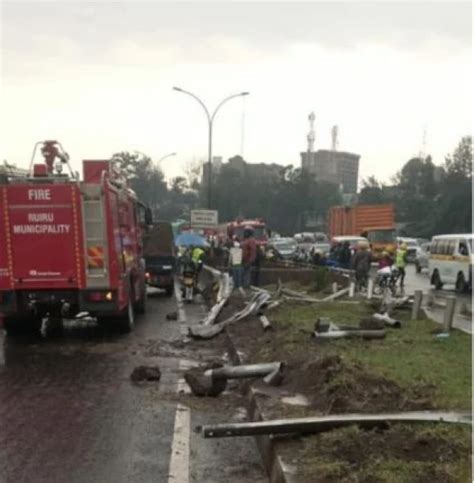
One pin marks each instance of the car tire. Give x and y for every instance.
(436, 280)
(418, 268)
(461, 285)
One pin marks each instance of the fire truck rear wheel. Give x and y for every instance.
(127, 319)
(140, 305)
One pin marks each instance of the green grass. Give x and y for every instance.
(411, 356)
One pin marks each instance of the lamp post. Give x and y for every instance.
(210, 120)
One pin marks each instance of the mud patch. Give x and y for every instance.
(334, 387)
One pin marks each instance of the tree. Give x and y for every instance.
(460, 162)
(372, 192)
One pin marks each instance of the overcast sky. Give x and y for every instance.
(98, 76)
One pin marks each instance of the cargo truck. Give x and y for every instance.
(374, 222)
(70, 246)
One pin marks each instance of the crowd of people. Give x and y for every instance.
(244, 258)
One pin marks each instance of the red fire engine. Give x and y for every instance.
(70, 246)
(236, 228)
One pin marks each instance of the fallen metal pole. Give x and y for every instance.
(341, 334)
(335, 295)
(325, 423)
(387, 320)
(241, 372)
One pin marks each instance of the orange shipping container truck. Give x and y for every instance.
(375, 222)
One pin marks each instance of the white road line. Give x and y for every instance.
(179, 462)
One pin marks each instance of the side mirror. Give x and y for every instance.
(148, 216)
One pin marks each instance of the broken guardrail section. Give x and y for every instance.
(326, 423)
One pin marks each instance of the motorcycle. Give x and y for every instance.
(387, 278)
(188, 280)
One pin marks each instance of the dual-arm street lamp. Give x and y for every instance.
(210, 120)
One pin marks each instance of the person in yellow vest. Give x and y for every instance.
(401, 261)
(197, 257)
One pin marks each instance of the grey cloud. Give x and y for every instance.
(266, 25)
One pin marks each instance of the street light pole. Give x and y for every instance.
(210, 120)
(166, 156)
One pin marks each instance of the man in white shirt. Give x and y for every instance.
(235, 264)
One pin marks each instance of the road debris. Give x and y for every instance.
(327, 423)
(146, 373)
(172, 316)
(266, 324)
(213, 381)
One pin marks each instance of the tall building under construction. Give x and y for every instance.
(331, 165)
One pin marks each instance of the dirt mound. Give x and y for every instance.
(332, 386)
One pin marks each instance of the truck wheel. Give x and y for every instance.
(169, 291)
(127, 318)
(140, 306)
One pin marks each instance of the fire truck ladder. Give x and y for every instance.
(95, 233)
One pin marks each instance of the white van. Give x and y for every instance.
(450, 261)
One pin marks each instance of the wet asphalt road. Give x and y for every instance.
(69, 412)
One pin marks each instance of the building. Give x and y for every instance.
(338, 167)
(333, 166)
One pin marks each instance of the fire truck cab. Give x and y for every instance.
(70, 246)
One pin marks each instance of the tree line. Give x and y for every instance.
(428, 199)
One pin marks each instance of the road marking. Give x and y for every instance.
(179, 462)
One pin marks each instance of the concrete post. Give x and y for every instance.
(352, 289)
(334, 287)
(449, 313)
(415, 311)
(370, 289)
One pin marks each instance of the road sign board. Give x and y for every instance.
(204, 218)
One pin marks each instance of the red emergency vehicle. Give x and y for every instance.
(70, 246)
(236, 228)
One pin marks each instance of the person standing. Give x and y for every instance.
(401, 262)
(235, 264)
(345, 255)
(249, 255)
(361, 264)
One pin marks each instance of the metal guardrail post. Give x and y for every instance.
(370, 289)
(449, 313)
(415, 312)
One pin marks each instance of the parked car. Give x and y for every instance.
(413, 247)
(422, 257)
(286, 247)
(321, 243)
(353, 241)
